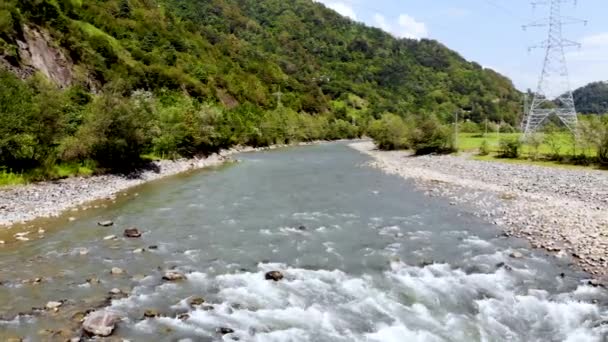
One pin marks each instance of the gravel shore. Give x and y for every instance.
(23, 203)
(564, 211)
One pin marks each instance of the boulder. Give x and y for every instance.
(117, 271)
(196, 301)
(183, 316)
(53, 305)
(224, 330)
(274, 275)
(105, 223)
(173, 276)
(302, 227)
(132, 233)
(516, 255)
(100, 323)
(151, 313)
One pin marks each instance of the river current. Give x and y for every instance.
(365, 257)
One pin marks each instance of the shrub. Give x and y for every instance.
(509, 148)
(484, 149)
(430, 136)
(390, 132)
(534, 141)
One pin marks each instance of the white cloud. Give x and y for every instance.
(340, 7)
(589, 63)
(405, 26)
(380, 22)
(411, 28)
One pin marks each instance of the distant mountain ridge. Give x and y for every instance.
(592, 98)
(244, 51)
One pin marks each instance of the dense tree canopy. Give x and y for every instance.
(180, 77)
(592, 98)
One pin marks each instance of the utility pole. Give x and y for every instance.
(456, 130)
(279, 96)
(553, 95)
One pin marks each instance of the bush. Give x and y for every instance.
(484, 149)
(390, 132)
(509, 148)
(430, 136)
(534, 141)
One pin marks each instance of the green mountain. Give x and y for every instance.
(225, 64)
(592, 98)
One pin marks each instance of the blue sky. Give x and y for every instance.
(490, 32)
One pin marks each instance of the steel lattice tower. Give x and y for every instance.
(553, 95)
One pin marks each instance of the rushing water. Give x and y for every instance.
(375, 260)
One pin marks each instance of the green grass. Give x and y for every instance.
(470, 142)
(60, 171)
(10, 178)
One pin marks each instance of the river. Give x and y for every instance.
(365, 257)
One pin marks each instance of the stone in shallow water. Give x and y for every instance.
(196, 301)
(516, 255)
(100, 323)
(117, 271)
(224, 330)
(151, 313)
(53, 305)
(274, 275)
(132, 233)
(110, 237)
(173, 276)
(105, 223)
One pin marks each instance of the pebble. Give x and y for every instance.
(117, 271)
(52, 305)
(28, 202)
(526, 201)
(110, 237)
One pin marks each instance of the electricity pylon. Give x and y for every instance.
(553, 95)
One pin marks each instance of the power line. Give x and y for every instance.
(553, 96)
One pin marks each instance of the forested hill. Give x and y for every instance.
(592, 98)
(239, 51)
(231, 56)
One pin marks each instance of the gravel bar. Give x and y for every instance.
(564, 211)
(23, 203)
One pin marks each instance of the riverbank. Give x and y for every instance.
(563, 211)
(23, 203)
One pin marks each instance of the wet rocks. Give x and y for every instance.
(563, 211)
(173, 276)
(224, 330)
(105, 223)
(116, 271)
(132, 233)
(183, 317)
(110, 237)
(100, 323)
(274, 275)
(53, 305)
(516, 255)
(196, 301)
(150, 313)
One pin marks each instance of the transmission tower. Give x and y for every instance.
(553, 95)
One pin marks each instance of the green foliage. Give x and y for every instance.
(534, 141)
(430, 136)
(509, 148)
(390, 132)
(484, 148)
(592, 98)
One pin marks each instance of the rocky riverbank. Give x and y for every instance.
(24, 203)
(561, 210)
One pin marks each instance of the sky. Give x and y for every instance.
(491, 33)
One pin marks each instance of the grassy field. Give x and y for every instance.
(471, 142)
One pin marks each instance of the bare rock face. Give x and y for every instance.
(100, 323)
(39, 53)
(274, 275)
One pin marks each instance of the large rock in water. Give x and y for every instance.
(105, 223)
(274, 275)
(101, 323)
(173, 276)
(132, 233)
